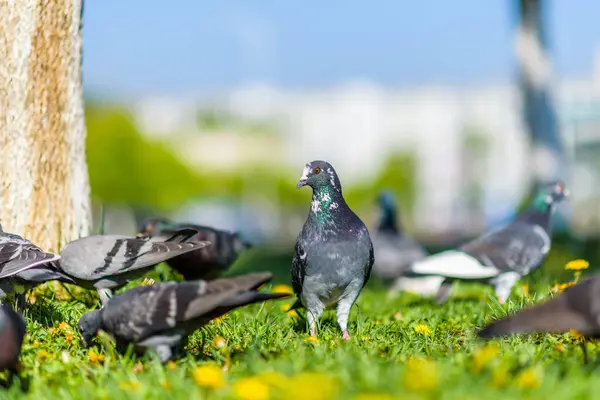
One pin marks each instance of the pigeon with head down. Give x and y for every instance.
(12, 331)
(107, 262)
(333, 254)
(205, 263)
(500, 257)
(159, 317)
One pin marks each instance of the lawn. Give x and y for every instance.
(404, 347)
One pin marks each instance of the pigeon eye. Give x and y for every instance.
(317, 170)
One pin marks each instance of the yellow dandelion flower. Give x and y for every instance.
(499, 378)
(42, 355)
(209, 376)
(251, 389)
(272, 378)
(219, 342)
(36, 344)
(420, 375)
(53, 331)
(236, 347)
(374, 396)
(69, 337)
(483, 356)
(63, 326)
(526, 289)
(576, 335)
(577, 265)
(528, 379)
(312, 339)
(171, 365)
(560, 348)
(313, 386)
(560, 287)
(148, 282)
(286, 307)
(283, 289)
(130, 386)
(137, 368)
(95, 357)
(423, 330)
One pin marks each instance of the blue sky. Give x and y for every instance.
(195, 46)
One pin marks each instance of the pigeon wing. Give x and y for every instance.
(299, 264)
(17, 255)
(519, 247)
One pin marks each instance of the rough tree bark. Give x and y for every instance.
(44, 181)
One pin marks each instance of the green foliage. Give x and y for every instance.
(125, 168)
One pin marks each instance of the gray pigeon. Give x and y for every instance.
(12, 331)
(334, 254)
(207, 263)
(578, 308)
(161, 316)
(107, 262)
(500, 257)
(23, 265)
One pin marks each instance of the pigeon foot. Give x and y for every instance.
(501, 300)
(346, 336)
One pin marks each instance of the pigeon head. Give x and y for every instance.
(239, 244)
(319, 175)
(387, 203)
(89, 325)
(154, 224)
(550, 194)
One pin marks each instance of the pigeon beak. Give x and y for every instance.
(304, 178)
(301, 182)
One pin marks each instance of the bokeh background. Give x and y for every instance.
(206, 112)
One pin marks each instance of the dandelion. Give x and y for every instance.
(420, 375)
(313, 386)
(560, 348)
(528, 379)
(148, 282)
(272, 378)
(209, 376)
(69, 337)
(219, 342)
(577, 265)
(95, 357)
(251, 389)
(171, 365)
(483, 356)
(36, 344)
(577, 336)
(236, 347)
(499, 378)
(283, 289)
(286, 307)
(63, 326)
(526, 289)
(312, 339)
(42, 355)
(130, 386)
(423, 330)
(137, 368)
(560, 287)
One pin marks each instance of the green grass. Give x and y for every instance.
(264, 338)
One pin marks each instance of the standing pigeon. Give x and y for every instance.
(395, 252)
(12, 331)
(502, 256)
(23, 265)
(578, 308)
(107, 262)
(334, 254)
(162, 315)
(206, 263)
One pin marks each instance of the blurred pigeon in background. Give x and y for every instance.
(12, 331)
(395, 252)
(334, 254)
(161, 316)
(502, 256)
(107, 262)
(206, 263)
(23, 265)
(577, 308)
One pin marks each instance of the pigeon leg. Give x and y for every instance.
(164, 352)
(444, 291)
(313, 317)
(343, 312)
(105, 295)
(503, 285)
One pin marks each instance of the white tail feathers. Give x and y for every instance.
(453, 264)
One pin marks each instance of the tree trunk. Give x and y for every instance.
(43, 173)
